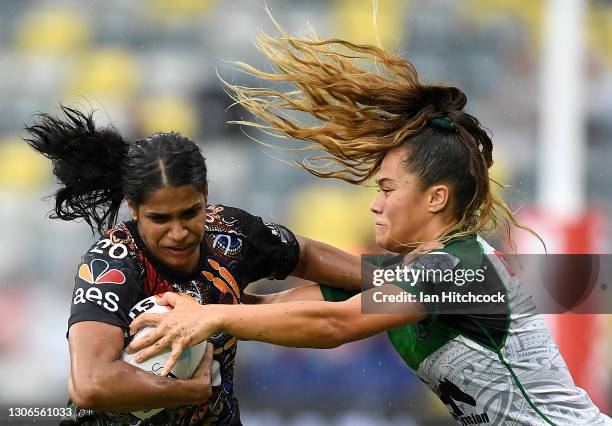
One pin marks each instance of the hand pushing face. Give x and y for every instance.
(171, 224)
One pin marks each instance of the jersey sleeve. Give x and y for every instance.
(332, 294)
(105, 287)
(335, 294)
(271, 251)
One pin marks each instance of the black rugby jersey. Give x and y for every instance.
(118, 271)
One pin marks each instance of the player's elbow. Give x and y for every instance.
(335, 334)
(84, 396)
(85, 393)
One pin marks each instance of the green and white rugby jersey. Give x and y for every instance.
(489, 364)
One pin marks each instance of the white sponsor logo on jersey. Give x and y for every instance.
(107, 300)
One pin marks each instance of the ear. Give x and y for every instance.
(438, 198)
(133, 209)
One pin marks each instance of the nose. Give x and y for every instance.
(177, 231)
(376, 205)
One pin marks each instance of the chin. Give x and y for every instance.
(391, 245)
(385, 244)
(172, 264)
(177, 266)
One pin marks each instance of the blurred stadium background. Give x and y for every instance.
(151, 65)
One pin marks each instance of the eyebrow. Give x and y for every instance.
(189, 209)
(384, 180)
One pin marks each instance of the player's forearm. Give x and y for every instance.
(307, 292)
(323, 263)
(120, 387)
(310, 324)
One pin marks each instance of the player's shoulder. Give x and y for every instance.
(466, 250)
(112, 259)
(226, 219)
(226, 229)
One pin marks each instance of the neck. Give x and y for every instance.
(435, 228)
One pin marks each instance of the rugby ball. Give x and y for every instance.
(184, 367)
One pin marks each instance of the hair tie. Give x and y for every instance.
(444, 123)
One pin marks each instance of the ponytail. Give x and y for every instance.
(361, 115)
(87, 163)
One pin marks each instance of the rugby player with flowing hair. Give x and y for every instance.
(494, 365)
(176, 242)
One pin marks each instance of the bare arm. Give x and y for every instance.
(100, 380)
(323, 263)
(312, 324)
(306, 292)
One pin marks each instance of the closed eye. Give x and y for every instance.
(186, 214)
(159, 218)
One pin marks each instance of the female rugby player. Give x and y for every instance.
(492, 363)
(175, 242)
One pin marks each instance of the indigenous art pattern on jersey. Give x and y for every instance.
(119, 271)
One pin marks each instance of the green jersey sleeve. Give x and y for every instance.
(332, 294)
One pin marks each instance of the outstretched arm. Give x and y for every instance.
(306, 292)
(311, 324)
(310, 259)
(322, 263)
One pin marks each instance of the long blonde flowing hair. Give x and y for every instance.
(360, 115)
